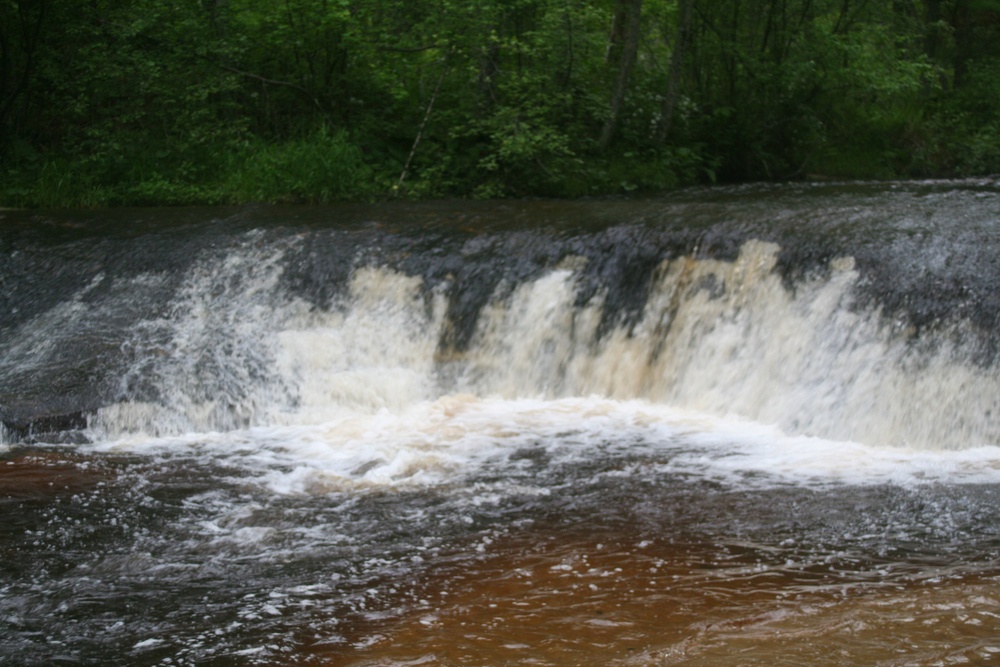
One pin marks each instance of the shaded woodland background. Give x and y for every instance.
(110, 102)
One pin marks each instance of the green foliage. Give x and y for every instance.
(966, 127)
(167, 102)
(636, 172)
(869, 110)
(321, 167)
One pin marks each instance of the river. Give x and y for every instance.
(748, 425)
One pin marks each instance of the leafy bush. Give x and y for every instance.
(321, 167)
(966, 125)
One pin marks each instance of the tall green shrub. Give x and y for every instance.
(323, 166)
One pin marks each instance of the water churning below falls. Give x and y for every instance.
(736, 426)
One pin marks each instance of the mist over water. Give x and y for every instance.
(475, 433)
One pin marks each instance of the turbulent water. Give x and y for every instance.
(732, 426)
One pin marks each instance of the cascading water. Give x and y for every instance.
(468, 433)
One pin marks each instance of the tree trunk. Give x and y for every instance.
(616, 38)
(962, 25)
(630, 48)
(932, 17)
(673, 94)
(12, 82)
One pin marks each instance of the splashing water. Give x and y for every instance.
(715, 428)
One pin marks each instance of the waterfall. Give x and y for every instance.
(273, 320)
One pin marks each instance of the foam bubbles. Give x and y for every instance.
(437, 444)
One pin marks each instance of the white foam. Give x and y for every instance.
(438, 444)
(353, 394)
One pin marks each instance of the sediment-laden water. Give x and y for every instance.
(732, 426)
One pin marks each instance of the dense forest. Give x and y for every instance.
(106, 102)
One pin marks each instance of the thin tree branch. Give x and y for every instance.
(273, 82)
(420, 132)
(401, 49)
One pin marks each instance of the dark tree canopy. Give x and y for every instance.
(183, 101)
